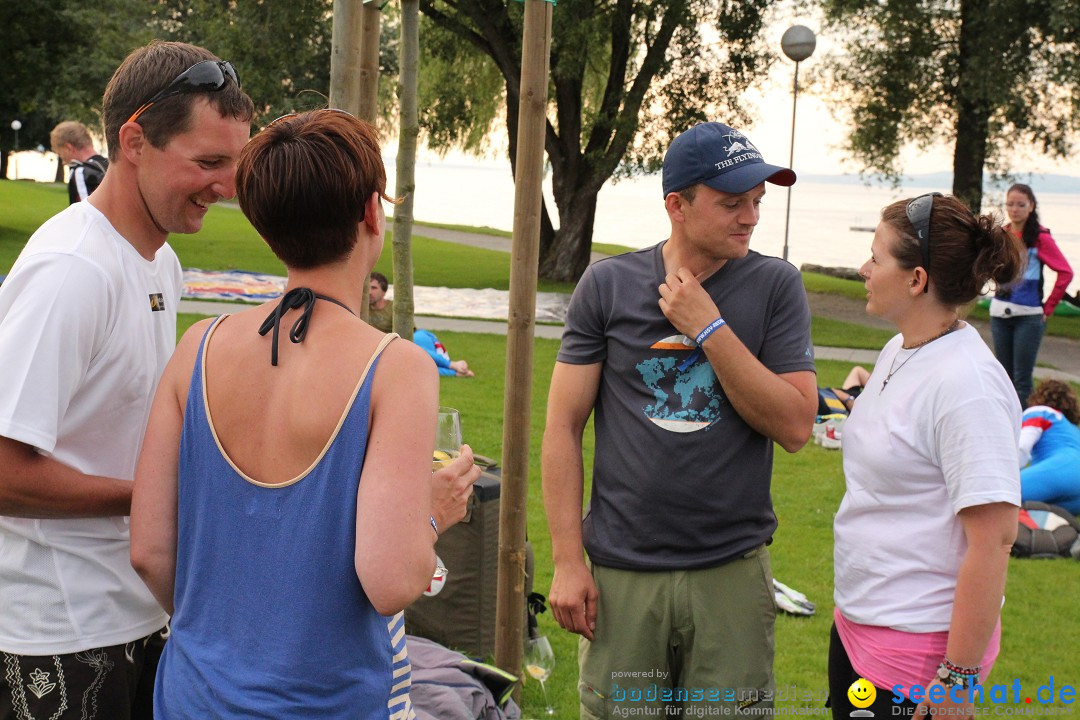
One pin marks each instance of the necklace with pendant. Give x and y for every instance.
(916, 347)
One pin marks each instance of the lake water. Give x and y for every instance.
(824, 215)
(826, 228)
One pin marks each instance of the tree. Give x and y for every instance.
(57, 57)
(988, 73)
(626, 76)
(281, 50)
(409, 129)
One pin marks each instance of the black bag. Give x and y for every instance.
(1046, 531)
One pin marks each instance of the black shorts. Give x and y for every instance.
(110, 683)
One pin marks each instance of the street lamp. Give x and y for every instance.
(798, 43)
(16, 126)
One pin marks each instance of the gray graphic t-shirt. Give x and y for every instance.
(679, 480)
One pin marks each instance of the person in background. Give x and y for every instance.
(285, 509)
(71, 141)
(840, 400)
(434, 347)
(695, 356)
(1018, 312)
(380, 309)
(87, 323)
(1050, 446)
(924, 531)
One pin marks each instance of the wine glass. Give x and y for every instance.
(539, 661)
(447, 438)
(447, 448)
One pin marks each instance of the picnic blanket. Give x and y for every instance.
(482, 303)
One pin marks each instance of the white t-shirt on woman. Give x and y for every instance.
(942, 436)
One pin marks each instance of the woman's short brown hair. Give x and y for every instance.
(966, 251)
(303, 182)
(148, 70)
(1058, 395)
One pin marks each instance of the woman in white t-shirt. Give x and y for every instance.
(930, 462)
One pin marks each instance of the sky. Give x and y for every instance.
(819, 133)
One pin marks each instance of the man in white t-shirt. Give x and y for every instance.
(87, 323)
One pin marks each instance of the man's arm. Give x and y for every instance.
(570, 402)
(780, 407)
(35, 486)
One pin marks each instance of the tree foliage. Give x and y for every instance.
(281, 50)
(57, 57)
(626, 76)
(988, 73)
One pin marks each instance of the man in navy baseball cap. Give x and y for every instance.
(720, 157)
(693, 357)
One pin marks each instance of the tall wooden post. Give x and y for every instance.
(517, 403)
(408, 130)
(369, 61)
(345, 56)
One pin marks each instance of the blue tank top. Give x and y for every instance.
(270, 619)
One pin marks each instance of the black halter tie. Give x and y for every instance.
(295, 298)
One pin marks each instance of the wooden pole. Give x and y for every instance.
(409, 129)
(345, 56)
(369, 62)
(510, 599)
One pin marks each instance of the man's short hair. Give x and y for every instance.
(148, 70)
(304, 181)
(381, 279)
(70, 131)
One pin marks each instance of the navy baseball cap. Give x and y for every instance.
(721, 158)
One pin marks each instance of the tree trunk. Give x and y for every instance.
(972, 109)
(409, 128)
(568, 255)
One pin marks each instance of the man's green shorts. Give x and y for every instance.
(669, 643)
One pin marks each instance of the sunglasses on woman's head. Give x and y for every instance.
(202, 77)
(918, 214)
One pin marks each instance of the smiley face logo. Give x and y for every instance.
(862, 693)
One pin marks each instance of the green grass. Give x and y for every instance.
(1041, 624)
(227, 241)
(815, 282)
(611, 248)
(836, 333)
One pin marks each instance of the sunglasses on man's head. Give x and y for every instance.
(918, 214)
(202, 77)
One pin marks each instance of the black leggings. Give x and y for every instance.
(842, 675)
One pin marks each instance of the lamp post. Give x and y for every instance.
(16, 126)
(798, 43)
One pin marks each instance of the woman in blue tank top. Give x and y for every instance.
(284, 509)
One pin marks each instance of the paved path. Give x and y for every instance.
(488, 242)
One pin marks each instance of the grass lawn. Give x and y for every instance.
(1041, 623)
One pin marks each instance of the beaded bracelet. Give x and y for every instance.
(959, 669)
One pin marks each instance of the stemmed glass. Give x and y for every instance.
(447, 438)
(539, 662)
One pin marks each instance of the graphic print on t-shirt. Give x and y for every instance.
(684, 400)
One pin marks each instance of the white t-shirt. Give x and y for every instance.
(942, 436)
(86, 327)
